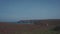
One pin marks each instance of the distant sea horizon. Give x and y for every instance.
(15, 23)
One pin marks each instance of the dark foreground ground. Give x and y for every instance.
(11, 28)
(20, 29)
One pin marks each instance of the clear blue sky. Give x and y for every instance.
(14, 10)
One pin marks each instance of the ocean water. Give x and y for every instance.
(24, 23)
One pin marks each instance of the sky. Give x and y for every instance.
(14, 10)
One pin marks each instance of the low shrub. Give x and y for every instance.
(57, 28)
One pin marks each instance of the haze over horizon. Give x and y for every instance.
(14, 10)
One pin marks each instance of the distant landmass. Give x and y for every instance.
(37, 21)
